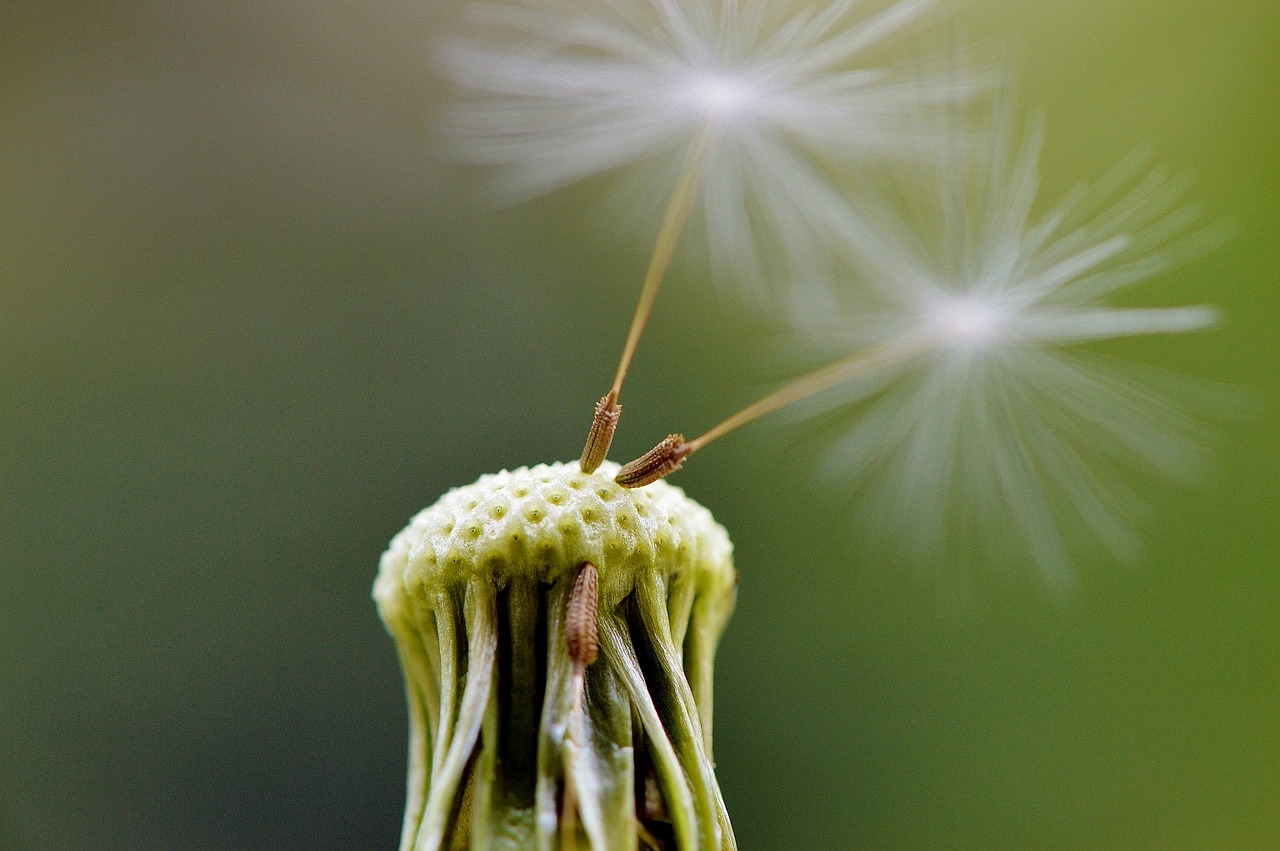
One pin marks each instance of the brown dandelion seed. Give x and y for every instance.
(603, 426)
(658, 463)
(581, 636)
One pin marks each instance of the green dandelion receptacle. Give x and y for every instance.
(517, 737)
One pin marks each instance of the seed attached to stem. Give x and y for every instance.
(658, 463)
(581, 633)
(679, 208)
(668, 456)
(603, 426)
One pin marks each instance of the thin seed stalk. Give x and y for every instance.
(670, 453)
(605, 421)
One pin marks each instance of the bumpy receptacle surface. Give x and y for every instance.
(512, 745)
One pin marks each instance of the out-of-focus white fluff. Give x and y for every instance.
(995, 430)
(554, 91)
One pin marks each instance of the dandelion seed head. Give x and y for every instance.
(722, 97)
(969, 322)
(547, 93)
(1004, 434)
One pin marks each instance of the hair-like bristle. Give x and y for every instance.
(581, 636)
(603, 425)
(659, 462)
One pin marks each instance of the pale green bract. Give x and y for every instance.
(474, 592)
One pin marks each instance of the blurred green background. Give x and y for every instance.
(250, 323)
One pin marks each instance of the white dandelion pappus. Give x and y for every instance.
(554, 91)
(987, 428)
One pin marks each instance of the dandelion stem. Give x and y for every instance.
(679, 208)
(668, 456)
